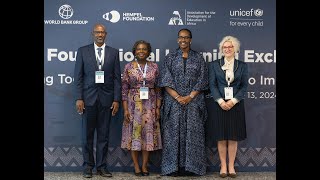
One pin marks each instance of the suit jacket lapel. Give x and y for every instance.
(92, 55)
(221, 63)
(235, 65)
(106, 55)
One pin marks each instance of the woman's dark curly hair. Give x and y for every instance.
(141, 42)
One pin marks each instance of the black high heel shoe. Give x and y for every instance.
(137, 173)
(145, 173)
(232, 175)
(174, 174)
(222, 174)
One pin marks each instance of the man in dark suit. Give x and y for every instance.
(97, 81)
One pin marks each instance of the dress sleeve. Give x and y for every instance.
(125, 83)
(166, 79)
(157, 88)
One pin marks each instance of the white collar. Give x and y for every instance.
(103, 46)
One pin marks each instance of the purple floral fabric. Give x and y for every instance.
(143, 131)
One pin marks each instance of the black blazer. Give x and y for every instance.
(84, 76)
(217, 79)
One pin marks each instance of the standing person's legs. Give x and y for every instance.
(89, 121)
(222, 149)
(135, 159)
(232, 151)
(145, 159)
(103, 123)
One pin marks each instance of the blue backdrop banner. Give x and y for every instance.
(68, 25)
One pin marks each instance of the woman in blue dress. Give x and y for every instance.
(184, 76)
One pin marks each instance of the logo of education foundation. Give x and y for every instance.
(176, 19)
(112, 16)
(65, 11)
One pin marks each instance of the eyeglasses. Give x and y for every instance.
(184, 37)
(99, 32)
(141, 49)
(227, 47)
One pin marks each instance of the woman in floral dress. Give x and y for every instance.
(141, 103)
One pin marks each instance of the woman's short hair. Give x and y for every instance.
(235, 42)
(141, 42)
(185, 29)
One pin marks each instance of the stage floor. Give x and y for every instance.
(130, 176)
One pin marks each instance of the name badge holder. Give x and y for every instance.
(99, 74)
(99, 77)
(144, 91)
(228, 91)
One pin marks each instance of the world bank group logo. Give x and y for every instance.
(112, 16)
(176, 19)
(65, 11)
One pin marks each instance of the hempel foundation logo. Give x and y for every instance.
(114, 17)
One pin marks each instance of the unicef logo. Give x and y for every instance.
(258, 12)
(65, 11)
(112, 16)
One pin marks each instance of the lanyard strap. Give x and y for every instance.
(99, 58)
(100, 63)
(144, 74)
(228, 77)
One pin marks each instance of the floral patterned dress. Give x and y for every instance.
(143, 131)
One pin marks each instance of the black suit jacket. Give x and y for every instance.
(84, 76)
(217, 79)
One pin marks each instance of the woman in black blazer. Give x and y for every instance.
(228, 81)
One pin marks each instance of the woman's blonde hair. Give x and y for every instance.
(235, 42)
